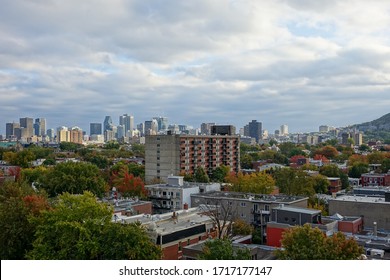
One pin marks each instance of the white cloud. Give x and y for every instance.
(303, 63)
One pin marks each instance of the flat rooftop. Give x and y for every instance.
(299, 210)
(363, 199)
(253, 197)
(164, 223)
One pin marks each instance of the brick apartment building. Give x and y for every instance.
(177, 154)
(375, 179)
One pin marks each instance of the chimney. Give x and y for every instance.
(185, 206)
(375, 229)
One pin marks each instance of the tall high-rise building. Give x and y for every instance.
(175, 154)
(50, 133)
(95, 129)
(40, 127)
(324, 128)
(283, 130)
(254, 130)
(151, 127)
(27, 124)
(107, 124)
(128, 122)
(76, 135)
(205, 128)
(10, 129)
(63, 134)
(120, 131)
(162, 123)
(223, 130)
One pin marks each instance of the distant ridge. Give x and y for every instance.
(381, 124)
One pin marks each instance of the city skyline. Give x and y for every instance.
(300, 63)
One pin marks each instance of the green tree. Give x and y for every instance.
(321, 184)
(331, 170)
(307, 243)
(69, 146)
(73, 177)
(201, 176)
(246, 161)
(294, 182)
(222, 249)
(18, 202)
(219, 174)
(22, 158)
(80, 228)
(358, 169)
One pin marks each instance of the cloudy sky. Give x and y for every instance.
(302, 63)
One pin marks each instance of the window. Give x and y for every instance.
(266, 207)
(242, 204)
(188, 241)
(158, 145)
(179, 249)
(200, 238)
(286, 219)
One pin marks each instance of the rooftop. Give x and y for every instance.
(252, 197)
(166, 223)
(299, 210)
(365, 199)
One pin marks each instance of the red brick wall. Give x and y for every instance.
(145, 208)
(351, 226)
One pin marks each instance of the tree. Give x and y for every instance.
(246, 161)
(70, 146)
(22, 158)
(376, 157)
(258, 182)
(221, 212)
(294, 182)
(127, 184)
(80, 228)
(200, 175)
(358, 169)
(73, 177)
(328, 151)
(18, 203)
(222, 249)
(240, 227)
(321, 184)
(307, 243)
(331, 170)
(220, 173)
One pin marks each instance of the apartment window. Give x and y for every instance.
(242, 204)
(158, 138)
(266, 207)
(158, 171)
(243, 215)
(158, 145)
(188, 241)
(200, 238)
(158, 164)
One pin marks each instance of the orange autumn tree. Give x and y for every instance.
(127, 184)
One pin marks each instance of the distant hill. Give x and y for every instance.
(378, 129)
(381, 124)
